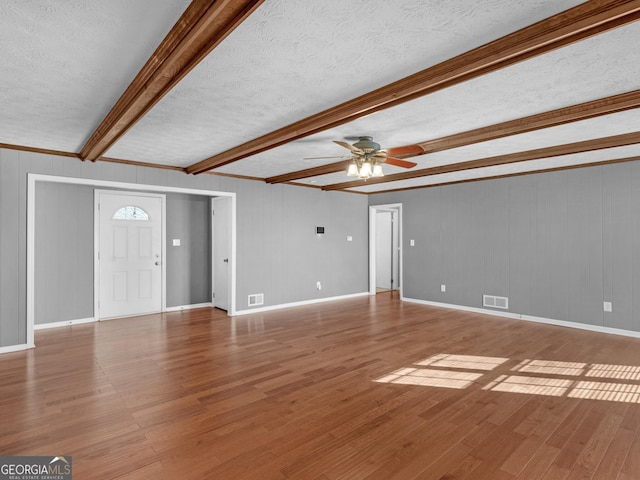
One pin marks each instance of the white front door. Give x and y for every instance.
(129, 261)
(221, 208)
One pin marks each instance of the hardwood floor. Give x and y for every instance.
(366, 388)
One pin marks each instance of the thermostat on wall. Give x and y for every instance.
(319, 230)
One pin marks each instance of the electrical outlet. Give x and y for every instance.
(443, 288)
(412, 243)
(318, 286)
(607, 306)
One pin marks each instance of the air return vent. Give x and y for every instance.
(256, 299)
(495, 302)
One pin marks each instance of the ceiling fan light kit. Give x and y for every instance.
(368, 158)
(365, 169)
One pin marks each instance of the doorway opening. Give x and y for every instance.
(135, 188)
(385, 252)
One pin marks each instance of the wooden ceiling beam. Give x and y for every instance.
(46, 151)
(547, 152)
(509, 175)
(202, 26)
(587, 19)
(311, 172)
(553, 118)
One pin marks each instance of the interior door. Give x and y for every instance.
(130, 247)
(387, 250)
(384, 250)
(221, 208)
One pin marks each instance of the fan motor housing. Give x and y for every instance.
(367, 144)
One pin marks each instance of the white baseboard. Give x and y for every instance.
(298, 304)
(189, 307)
(79, 321)
(529, 318)
(16, 348)
(65, 323)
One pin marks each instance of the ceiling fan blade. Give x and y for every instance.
(323, 158)
(349, 147)
(406, 150)
(400, 163)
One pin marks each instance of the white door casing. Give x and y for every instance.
(130, 253)
(396, 209)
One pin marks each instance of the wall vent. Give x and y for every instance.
(495, 302)
(256, 299)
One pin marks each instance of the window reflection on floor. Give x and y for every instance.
(472, 362)
(430, 378)
(529, 376)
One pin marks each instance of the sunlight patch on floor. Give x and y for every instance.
(532, 377)
(625, 372)
(472, 362)
(551, 367)
(430, 378)
(530, 385)
(613, 392)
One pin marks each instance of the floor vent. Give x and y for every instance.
(495, 302)
(256, 299)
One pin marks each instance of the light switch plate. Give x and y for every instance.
(176, 242)
(412, 243)
(607, 306)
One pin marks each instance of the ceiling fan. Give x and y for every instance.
(368, 157)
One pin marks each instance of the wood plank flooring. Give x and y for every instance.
(365, 388)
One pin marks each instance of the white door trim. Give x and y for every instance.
(32, 178)
(391, 207)
(96, 245)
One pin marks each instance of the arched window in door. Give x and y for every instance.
(131, 212)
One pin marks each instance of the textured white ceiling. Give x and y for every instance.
(596, 68)
(66, 62)
(291, 59)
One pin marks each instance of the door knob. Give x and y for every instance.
(157, 263)
(226, 260)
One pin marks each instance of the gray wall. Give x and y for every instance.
(63, 248)
(283, 255)
(189, 265)
(278, 253)
(557, 244)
